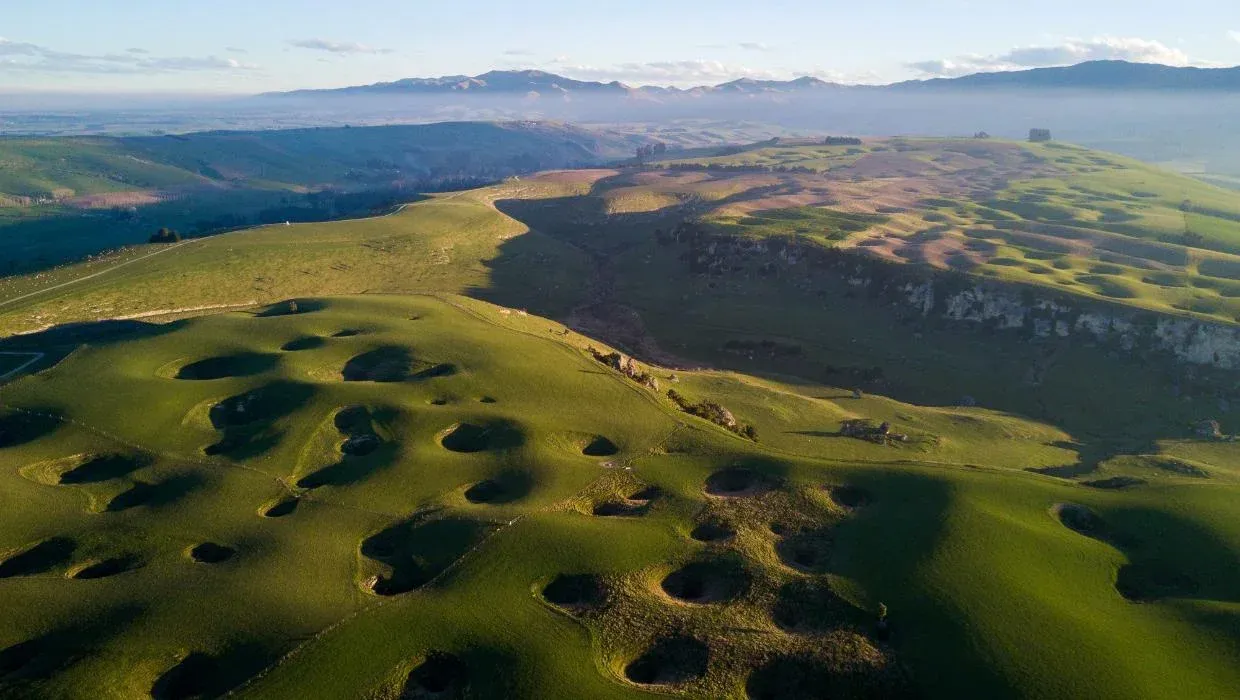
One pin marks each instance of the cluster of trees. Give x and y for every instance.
(165, 235)
(714, 413)
(841, 141)
(1039, 135)
(651, 149)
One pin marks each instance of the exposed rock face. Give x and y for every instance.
(1037, 312)
(1188, 340)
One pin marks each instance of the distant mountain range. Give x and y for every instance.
(1093, 75)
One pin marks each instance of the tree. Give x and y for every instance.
(165, 235)
(1039, 135)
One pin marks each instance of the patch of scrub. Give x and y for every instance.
(245, 364)
(670, 661)
(707, 581)
(38, 558)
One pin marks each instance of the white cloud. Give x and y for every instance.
(234, 49)
(26, 57)
(754, 46)
(1069, 52)
(1234, 35)
(337, 47)
(518, 52)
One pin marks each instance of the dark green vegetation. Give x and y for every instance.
(534, 523)
(66, 198)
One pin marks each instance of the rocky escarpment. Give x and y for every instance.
(954, 297)
(1021, 309)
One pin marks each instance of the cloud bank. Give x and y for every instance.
(1068, 53)
(19, 56)
(341, 48)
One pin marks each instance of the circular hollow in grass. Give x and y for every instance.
(809, 605)
(599, 446)
(712, 531)
(505, 488)
(808, 550)
(390, 363)
(346, 333)
(309, 342)
(468, 438)
(360, 445)
(575, 591)
(670, 661)
(486, 399)
(1080, 519)
(440, 675)
(193, 677)
(105, 568)
(211, 553)
(1146, 582)
(38, 558)
(620, 509)
(704, 582)
(280, 508)
(790, 678)
(850, 497)
(245, 364)
(736, 482)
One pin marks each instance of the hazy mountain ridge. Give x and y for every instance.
(1098, 75)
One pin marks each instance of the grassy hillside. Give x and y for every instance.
(408, 494)
(62, 198)
(586, 538)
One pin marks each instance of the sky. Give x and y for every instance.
(249, 46)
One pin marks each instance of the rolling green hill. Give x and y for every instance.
(408, 494)
(417, 480)
(64, 198)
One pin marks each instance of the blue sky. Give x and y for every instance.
(234, 46)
